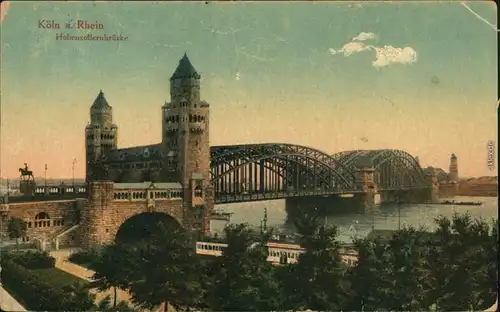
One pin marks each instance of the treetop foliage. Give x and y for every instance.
(452, 268)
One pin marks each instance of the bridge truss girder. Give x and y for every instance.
(280, 167)
(394, 169)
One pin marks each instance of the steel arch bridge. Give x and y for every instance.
(253, 172)
(394, 169)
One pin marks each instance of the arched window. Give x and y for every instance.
(190, 118)
(42, 216)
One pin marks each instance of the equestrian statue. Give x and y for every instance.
(25, 173)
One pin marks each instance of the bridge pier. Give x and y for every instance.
(448, 189)
(413, 196)
(328, 205)
(387, 197)
(403, 196)
(433, 191)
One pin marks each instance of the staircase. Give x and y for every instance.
(61, 238)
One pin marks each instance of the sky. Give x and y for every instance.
(335, 76)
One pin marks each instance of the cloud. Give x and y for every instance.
(384, 56)
(4, 7)
(389, 55)
(364, 36)
(351, 47)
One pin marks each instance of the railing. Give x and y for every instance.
(66, 230)
(136, 195)
(24, 199)
(234, 197)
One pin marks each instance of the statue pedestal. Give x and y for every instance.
(27, 187)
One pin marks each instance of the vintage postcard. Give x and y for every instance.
(248, 156)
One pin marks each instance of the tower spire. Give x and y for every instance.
(185, 69)
(100, 101)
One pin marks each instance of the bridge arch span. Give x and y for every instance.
(394, 169)
(286, 161)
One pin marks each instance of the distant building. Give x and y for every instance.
(442, 176)
(453, 176)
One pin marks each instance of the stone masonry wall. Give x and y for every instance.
(61, 215)
(103, 215)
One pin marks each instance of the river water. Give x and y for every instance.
(386, 217)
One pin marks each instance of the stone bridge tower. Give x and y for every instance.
(364, 181)
(100, 134)
(186, 145)
(432, 179)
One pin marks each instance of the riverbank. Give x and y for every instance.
(479, 187)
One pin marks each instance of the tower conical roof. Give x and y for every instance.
(453, 156)
(100, 101)
(185, 69)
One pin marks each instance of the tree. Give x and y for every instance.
(105, 305)
(16, 229)
(462, 264)
(369, 279)
(114, 268)
(244, 280)
(79, 298)
(167, 273)
(316, 280)
(406, 251)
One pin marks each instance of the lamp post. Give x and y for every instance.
(373, 221)
(263, 222)
(399, 213)
(73, 174)
(1, 243)
(45, 180)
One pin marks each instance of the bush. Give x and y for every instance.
(84, 257)
(41, 295)
(19, 247)
(34, 260)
